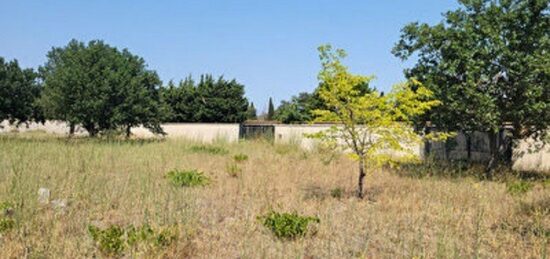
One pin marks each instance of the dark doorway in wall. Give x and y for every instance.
(257, 131)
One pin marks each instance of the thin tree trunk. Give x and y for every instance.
(361, 178)
(469, 146)
(71, 129)
(128, 131)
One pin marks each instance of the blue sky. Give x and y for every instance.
(269, 46)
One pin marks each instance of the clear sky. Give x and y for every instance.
(269, 46)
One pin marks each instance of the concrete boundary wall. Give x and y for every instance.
(202, 132)
(525, 158)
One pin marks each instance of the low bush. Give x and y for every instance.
(110, 241)
(213, 150)
(114, 240)
(287, 225)
(189, 178)
(519, 187)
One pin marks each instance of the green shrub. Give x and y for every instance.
(189, 178)
(115, 239)
(6, 224)
(110, 241)
(136, 235)
(233, 170)
(287, 225)
(214, 150)
(337, 193)
(240, 157)
(519, 187)
(6, 208)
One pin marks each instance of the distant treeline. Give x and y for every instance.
(104, 89)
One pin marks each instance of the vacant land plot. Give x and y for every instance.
(176, 198)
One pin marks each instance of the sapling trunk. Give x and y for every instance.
(128, 131)
(71, 129)
(361, 178)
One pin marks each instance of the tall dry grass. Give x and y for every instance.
(110, 182)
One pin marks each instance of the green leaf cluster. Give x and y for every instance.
(488, 62)
(114, 240)
(19, 92)
(209, 100)
(287, 225)
(189, 178)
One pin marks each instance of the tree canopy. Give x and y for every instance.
(298, 109)
(488, 62)
(369, 124)
(209, 100)
(101, 88)
(19, 91)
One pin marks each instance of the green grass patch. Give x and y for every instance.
(189, 178)
(288, 225)
(519, 187)
(213, 150)
(114, 240)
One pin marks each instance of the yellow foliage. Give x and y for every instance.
(369, 124)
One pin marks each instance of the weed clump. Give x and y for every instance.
(240, 157)
(189, 178)
(337, 193)
(213, 150)
(114, 240)
(233, 170)
(110, 241)
(6, 222)
(288, 225)
(519, 187)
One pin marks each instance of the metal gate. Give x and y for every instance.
(252, 132)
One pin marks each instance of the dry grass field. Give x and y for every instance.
(417, 212)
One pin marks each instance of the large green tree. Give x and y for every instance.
(101, 88)
(19, 91)
(209, 100)
(488, 62)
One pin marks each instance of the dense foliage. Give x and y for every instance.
(19, 91)
(251, 112)
(209, 100)
(101, 88)
(489, 64)
(298, 109)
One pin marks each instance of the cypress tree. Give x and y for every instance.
(270, 110)
(251, 113)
